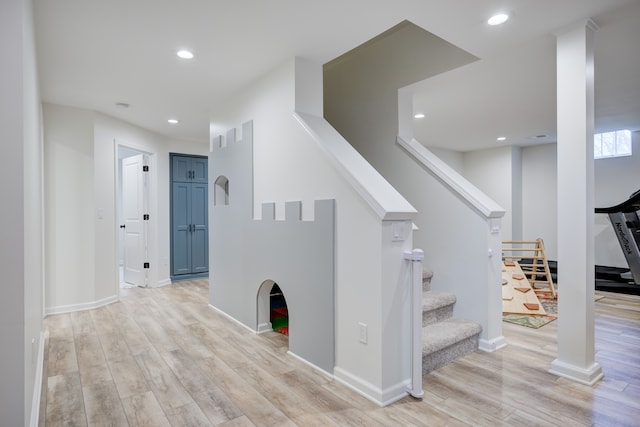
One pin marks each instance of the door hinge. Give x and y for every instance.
(145, 168)
(146, 265)
(145, 217)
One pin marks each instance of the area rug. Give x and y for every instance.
(528, 320)
(531, 321)
(535, 321)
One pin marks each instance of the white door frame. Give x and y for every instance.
(123, 150)
(134, 207)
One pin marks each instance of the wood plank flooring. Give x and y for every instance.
(161, 357)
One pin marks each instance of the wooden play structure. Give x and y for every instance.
(518, 297)
(532, 259)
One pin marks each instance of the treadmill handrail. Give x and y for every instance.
(632, 204)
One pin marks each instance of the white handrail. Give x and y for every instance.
(475, 198)
(385, 200)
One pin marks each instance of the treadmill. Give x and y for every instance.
(625, 220)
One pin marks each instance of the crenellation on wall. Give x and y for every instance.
(269, 211)
(293, 211)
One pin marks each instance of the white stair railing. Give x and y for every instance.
(416, 258)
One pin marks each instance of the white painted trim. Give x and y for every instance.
(233, 319)
(383, 199)
(492, 345)
(396, 392)
(81, 307)
(164, 282)
(265, 327)
(369, 391)
(588, 376)
(37, 387)
(471, 195)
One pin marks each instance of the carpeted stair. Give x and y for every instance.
(444, 338)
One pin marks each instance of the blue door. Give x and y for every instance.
(189, 216)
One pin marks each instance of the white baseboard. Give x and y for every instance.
(492, 345)
(375, 394)
(37, 386)
(80, 307)
(265, 327)
(233, 319)
(163, 282)
(588, 376)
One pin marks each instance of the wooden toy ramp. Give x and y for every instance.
(532, 258)
(517, 294)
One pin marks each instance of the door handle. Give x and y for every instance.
(123, 226)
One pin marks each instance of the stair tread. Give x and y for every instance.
(433, 300)
(437, 336)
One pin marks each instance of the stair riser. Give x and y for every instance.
(446, 355)
(437, 315)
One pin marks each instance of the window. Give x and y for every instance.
(612, 144)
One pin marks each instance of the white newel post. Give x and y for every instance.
(416, 257)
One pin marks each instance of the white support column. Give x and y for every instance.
(576, 347)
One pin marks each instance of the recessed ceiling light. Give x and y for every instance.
(173, 121)
(502, 138)
(185, 54)
(498, 19)
(419, 116)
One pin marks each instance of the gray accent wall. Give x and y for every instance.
(248, 255)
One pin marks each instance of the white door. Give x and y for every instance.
(133, 210)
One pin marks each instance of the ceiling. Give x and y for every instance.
(93, 54)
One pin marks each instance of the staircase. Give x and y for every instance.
(444, 338)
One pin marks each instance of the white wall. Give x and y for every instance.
(615, 180)
(540, 196)
(491, 171)
(21, 216)
(82, 232)
(455, 159)
(109, 133)
(70, 236)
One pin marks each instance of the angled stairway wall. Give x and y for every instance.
(460, 239)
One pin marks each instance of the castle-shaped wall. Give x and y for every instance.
(297, 155)
(248, 255)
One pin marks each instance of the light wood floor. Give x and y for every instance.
(161, 357)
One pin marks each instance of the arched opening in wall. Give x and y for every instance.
(273, 313)
(278, 313)
(221, 191)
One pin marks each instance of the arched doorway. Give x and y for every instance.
(278, 313)
(273, 313)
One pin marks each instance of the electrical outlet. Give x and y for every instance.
(363, 333)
